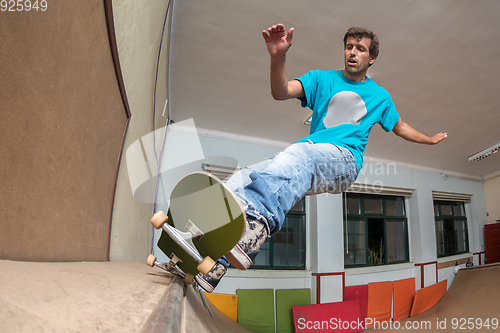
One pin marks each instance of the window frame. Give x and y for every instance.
(441, 218)
(363, 216)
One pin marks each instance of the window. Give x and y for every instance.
(451, 228)
(286, 249)
(375, 230)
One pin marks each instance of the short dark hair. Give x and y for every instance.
(364, 33)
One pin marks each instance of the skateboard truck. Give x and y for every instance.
(184, 240)
(170, 267)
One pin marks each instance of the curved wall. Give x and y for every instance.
(62, 125)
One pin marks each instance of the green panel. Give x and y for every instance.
(256, 309)
(285, 300)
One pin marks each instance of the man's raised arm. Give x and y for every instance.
(278, 41)
(407, 132)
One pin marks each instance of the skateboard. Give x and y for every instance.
(205, 220)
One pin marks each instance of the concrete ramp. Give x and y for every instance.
(63, 122)
(102, 297)
(182, 309)
(474, 294)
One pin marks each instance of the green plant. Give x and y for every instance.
(376, 257)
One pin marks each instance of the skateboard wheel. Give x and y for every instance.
(206, 265)
(158, 219)
(189, 278)
(151, 260)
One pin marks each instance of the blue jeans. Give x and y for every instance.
(269, 189)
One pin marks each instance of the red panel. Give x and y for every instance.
(359, 293)
(427, 297)
(328, 317)
(492, 242)
(404, 293)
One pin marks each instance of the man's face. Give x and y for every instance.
(357, 56)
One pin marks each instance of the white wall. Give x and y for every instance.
(138, 27)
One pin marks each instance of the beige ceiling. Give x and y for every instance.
(438, 59)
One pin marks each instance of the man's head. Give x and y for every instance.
(361, 48)
(360, 33)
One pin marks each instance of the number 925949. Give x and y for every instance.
(23, 5)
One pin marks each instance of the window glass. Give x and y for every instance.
(355, 243)
(287, 243)
(299, 206)
(396, 240)
(440, 238)
(394, 206)
(286, 249)
(446, 209)
(353, 205)
(373, 205)
(449, 237)
(461, 236)
(262, 258)
(458, 209)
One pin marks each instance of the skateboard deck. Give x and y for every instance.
(205, 202)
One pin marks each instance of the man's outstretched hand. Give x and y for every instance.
(439, 137)
(278, 41)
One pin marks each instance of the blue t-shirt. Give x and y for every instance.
(345, 111)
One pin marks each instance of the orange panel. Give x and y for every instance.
(404, 293)
(427, 297)
(379, 302)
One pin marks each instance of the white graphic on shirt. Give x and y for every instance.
(346, 107)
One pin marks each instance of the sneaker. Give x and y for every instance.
(242, 255)
(209, 281)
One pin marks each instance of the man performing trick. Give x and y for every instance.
(346, 104)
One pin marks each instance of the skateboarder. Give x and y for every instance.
(346, 104)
